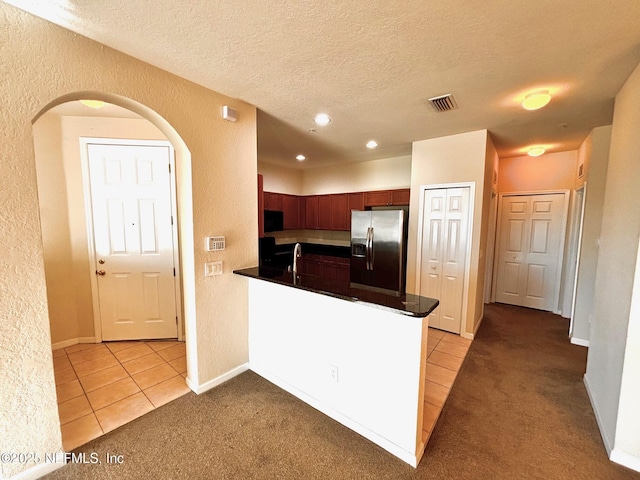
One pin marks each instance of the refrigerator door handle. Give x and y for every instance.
(371, 252)
(368, 248)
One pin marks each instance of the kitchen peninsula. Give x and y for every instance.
(356, 355)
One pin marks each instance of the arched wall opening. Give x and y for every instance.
(153, 126)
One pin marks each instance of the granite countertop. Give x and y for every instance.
(406, 304)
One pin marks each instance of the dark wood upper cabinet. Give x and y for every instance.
(311, 220)
(383, 198)
(290, 211)
(324, 212)
(260, 206)
(340, 216)
(400, 197)
(272, 201)
(356, 201)
(376, 199)
(302, 212)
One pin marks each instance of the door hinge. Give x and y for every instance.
(174, 271)
(171, 219)
(169, 168)
(176, 320)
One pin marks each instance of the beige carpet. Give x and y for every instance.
(518, 410)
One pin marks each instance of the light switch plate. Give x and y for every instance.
(213, 268)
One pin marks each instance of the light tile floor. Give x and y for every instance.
(445, 354)
(105, 385)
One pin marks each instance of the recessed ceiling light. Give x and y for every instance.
(372, 144)
(536, 100)
(322, 119)
(92, 103)
(300, 157)
(536, 151)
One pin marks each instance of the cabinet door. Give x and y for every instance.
(324, 212)
(312, 266)
(400, 197)
(342, 273)
(376, 199)
(340, 216)
(272, 201)
(311, 220)
(290, 212)
(260, 206)
(302, 212)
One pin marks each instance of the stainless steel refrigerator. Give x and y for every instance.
(378, 250)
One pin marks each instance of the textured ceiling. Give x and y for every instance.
(372, 65)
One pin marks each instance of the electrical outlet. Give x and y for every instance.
(333, 371)
(212, 268)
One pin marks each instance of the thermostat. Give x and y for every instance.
(214, 244)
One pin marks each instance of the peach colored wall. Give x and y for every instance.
(47, 62)
(554, 171)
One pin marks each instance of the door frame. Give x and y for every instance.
(86, 184)
(467, 260)
(563, 235)
(577, 244)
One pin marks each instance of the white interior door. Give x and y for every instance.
(531, 239)
(133, 235)
(444, 246)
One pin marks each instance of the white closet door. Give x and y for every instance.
(444, 246)
(529, 251)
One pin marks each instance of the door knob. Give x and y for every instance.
(433, 267)
(101, 261)
(100, 272)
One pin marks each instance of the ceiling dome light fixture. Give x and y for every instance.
(97, 104)
(536, 100)
(300, 157)
(536, 151)
(322, 119)
(372, 144)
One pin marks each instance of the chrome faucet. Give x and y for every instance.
(297, 253)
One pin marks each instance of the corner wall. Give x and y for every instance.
(594, 154)
(453, 159)
(615, 272)
(45, 63)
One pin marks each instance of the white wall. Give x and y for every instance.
(615, 273)
(594, 153)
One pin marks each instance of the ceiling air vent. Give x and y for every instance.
(443, 103)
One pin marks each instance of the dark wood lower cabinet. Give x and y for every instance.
(328, 267)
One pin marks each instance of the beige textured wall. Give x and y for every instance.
(594, 151)
(452, 159)
(615, 272)
(553, 171)
(41, 62)
(66, 256)
(387, 173)
(281, 179)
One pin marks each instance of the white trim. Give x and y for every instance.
(36, 471)
(608, 444)
(203, 387)
(408, 457)
(580, 341)
(470, 216)
(72, 341)
(563, 235)
(625, 459)
(84, 157)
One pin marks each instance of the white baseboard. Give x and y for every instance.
(608, 444)
(72, 341)
(37, 471)
(468, 336)
(203, 387)
(625, 459)
(580, 341)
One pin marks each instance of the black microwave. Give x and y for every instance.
(273, 221)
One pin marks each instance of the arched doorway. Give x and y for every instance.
(142, 375)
